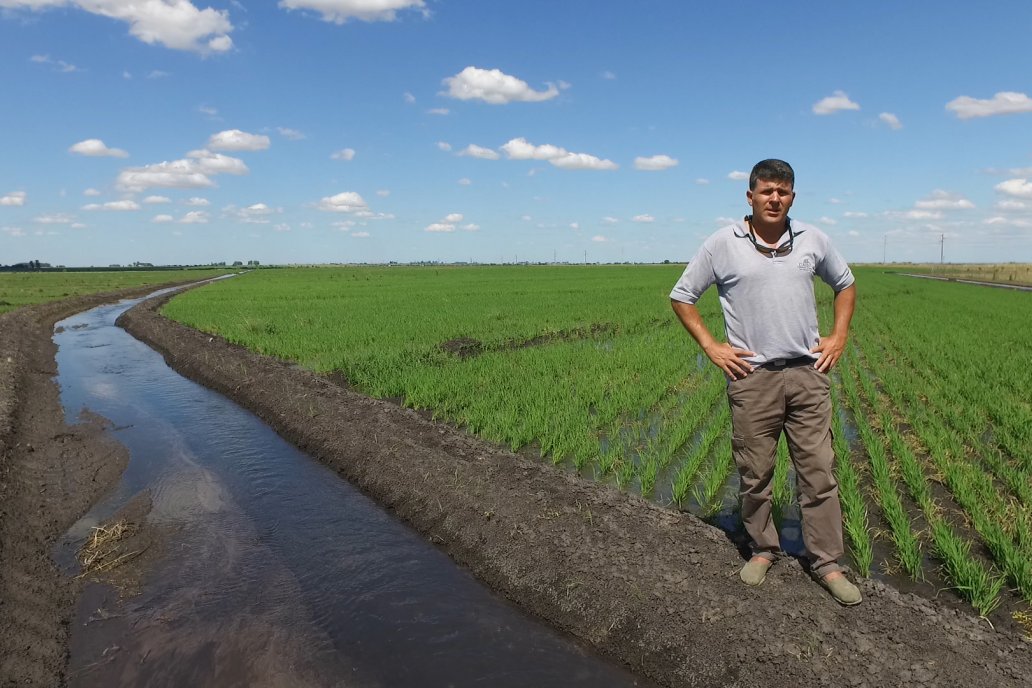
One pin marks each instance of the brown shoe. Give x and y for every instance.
(755, 571)
(844, 592)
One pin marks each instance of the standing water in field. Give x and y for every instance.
(270, 570)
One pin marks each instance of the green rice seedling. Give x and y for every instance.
(707, 491)
(980, 586)
(782, 491)
(854, 509)
(685, 477)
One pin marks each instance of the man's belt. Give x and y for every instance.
(782, 363)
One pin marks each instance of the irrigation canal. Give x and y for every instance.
(273, 571)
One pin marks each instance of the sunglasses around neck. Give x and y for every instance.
(771, 251)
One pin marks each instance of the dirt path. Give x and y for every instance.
(651, 587)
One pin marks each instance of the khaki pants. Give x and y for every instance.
(796, 400)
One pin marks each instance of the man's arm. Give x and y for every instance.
(832, 346)
(726, 357)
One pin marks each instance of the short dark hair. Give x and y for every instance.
(771, 170)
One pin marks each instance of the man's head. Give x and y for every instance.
(772, 171)
(771, 192)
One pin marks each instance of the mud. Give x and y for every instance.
(648, 586)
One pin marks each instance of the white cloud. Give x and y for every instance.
(825, 220)
(610, 220)
(96, 148)
(835, 201)
(90, 192)
(236, 140)
(160, 219)
(409, 98)
(59, 65)
(599, 238)
(155, 200)
(438, 111)
(54, 219)
(644, 217)
(448, 224)
(360, 235)
(443, 145)
(176, 24)
(475, 151)
(344, 202)
(208, 111)
(383, 193)
(465, 181)
(178, 174)
(283, 227)
(702, 181)
(113, 205)
(440, 227)
(194, 217)
(15, 198)
(1003, 103)
(725, 220)
(257, 213)
(494, 87)
(521, 149)
(340, 11)
(197, 201)
(216, 163)
(158, 74)
(655, 163)
(452, 218)
(1019, 188)
(608, 75)
(943, 200)
(922, 215)
(836, 102)
(13, 231)
(344, 154)
(1008, 222)
(290, 134)
(1010, 204)
(738, 175)
(853, 214)
(891, 120)
(471, 227)
(575, 225)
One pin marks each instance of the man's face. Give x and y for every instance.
(770, 200)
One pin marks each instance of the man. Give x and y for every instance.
(777, 364)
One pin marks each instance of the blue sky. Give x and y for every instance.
(375, 130)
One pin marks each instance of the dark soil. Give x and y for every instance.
(651, 587)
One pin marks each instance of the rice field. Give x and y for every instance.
(19, 289)
(587, 367)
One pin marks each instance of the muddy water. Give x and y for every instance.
(271, 570)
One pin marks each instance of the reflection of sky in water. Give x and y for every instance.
(265, 543)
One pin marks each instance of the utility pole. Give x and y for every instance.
(585, 257)
(885, 249)
(942, 248)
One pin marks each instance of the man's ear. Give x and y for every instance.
(748, 196)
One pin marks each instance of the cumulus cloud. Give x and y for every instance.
(197, 201)
(521, 149)
(444, 146)
(257, 213)
(194, 217)
(1003, 103)
(655, 163)
(943, 200)
(55, 219)
(177, 174)
(836, 102)
(216, 163)
(599, 238)
(344, 202)
(475, 151)
(90, 192)
(236, 140)
(448, 224)
(471, 227)
(341, 11)
(644, 217)
(13, 231)
(1019, 188)
(383, 193)
(176, 24)
(409, 98)
(738, 175)
(609, 220)
(494, 86)
(344, 154)
(891, 120)
(825, 220)
(160, 219)
(1010, 204)
(14, 198)
(113, 205)
(96, 148)
(155, 200)
(854, 214)
(290, 134)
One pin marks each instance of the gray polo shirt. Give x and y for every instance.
(768, 302)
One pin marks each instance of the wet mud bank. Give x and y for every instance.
(50, 474)
(647, 586)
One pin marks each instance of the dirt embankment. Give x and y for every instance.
(653, 588)
(50, 475)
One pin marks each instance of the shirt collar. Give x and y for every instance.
(741, 229)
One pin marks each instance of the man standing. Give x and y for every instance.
(777, 364)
